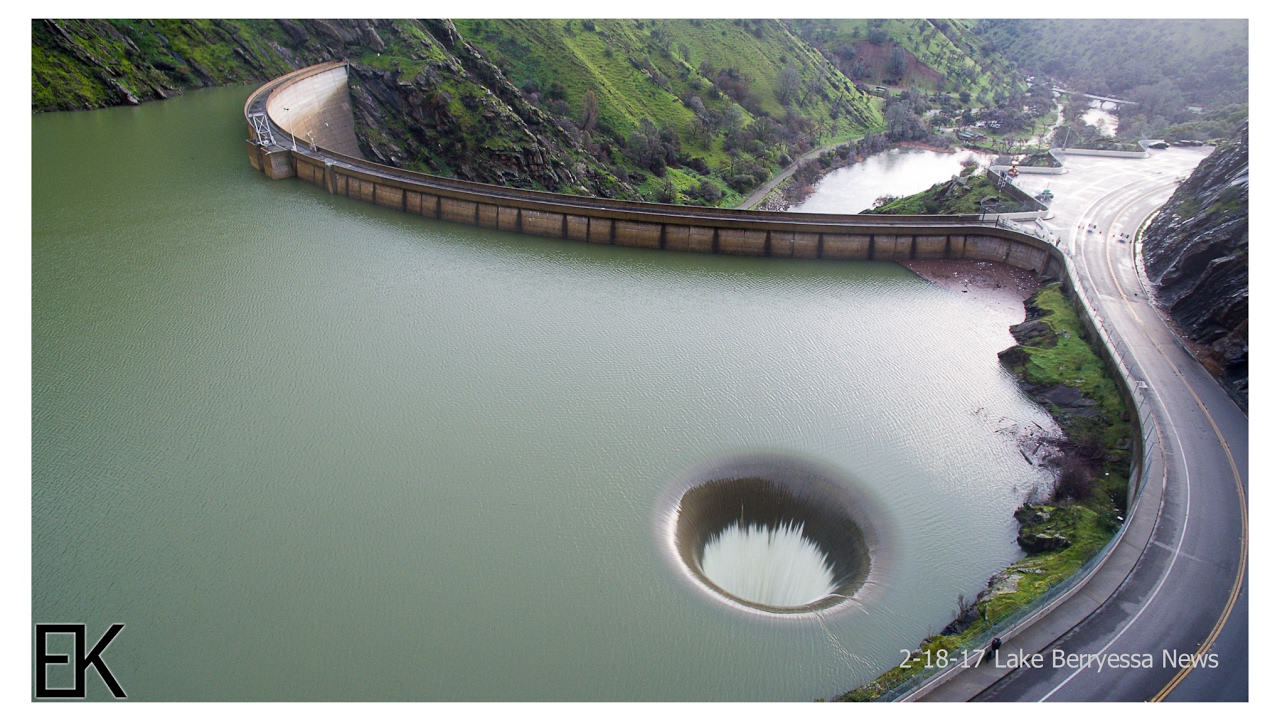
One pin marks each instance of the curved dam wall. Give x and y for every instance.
(316, 109)
(317, 97)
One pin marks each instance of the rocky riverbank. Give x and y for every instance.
(1058, 369)
(996, 286)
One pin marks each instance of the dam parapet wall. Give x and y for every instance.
(315, 109)
(316, 99)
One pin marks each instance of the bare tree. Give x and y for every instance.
(897, 63)
(590, 111)
(788, 85)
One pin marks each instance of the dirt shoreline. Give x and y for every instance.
(1000, 287)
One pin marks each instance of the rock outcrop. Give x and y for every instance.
(423, 97)
(444, 109)
(1197, 256)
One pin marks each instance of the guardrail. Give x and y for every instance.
(1119, 360)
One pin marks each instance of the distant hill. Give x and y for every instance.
(941, 55)
(1205, 61)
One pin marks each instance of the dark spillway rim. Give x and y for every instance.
(771, 489)
(775, 499)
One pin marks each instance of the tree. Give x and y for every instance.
(652, 147)
(643, 145)
(902, 123)
(897, 66)
(700, 131)
(788, 85)
(732, 119)
(667, 192)
(590, 111)
(813, 87)
(709, 192)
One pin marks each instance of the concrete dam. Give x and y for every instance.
(300, 125)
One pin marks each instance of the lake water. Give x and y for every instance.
(310, 449)
(897, 172)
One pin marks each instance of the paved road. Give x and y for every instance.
(1188, 591)
(755, 197)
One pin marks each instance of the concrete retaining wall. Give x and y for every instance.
(319, 110)
(1104, 153)
(317, 95)
(1032, 170)
(665, 227)
(1000, 179)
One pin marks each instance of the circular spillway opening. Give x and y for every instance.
(773, 534)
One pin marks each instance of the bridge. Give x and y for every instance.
(300, 126)
(1100, 98)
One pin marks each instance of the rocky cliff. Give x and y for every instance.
(676, 111)
(1197, 256)
(438, 105)
(424, 98)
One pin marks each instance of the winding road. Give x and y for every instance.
(1185, 599)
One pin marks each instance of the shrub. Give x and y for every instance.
(667, 192)
(1075, 480)
(709, 191)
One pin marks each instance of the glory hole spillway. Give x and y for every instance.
(279, 432)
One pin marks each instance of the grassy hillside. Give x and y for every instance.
(671, 72)
(82, 64)
(942, 55)
(961, 195)
(677, 111)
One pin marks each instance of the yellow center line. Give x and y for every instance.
(1235, 471)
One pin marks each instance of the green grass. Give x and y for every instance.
(601, 60)
(946, 46)
(169, 55)
(58, 83)
(961, 202)
(1088, 525)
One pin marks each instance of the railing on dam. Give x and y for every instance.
(624, 222)
(722, 231)
(1120, 360)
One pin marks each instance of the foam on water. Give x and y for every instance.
(772, 566)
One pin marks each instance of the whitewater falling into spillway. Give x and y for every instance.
(775, 566)
(773, 533)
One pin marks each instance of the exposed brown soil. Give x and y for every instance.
(998, 286)
(878, 57)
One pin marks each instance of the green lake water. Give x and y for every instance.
(310, 449)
